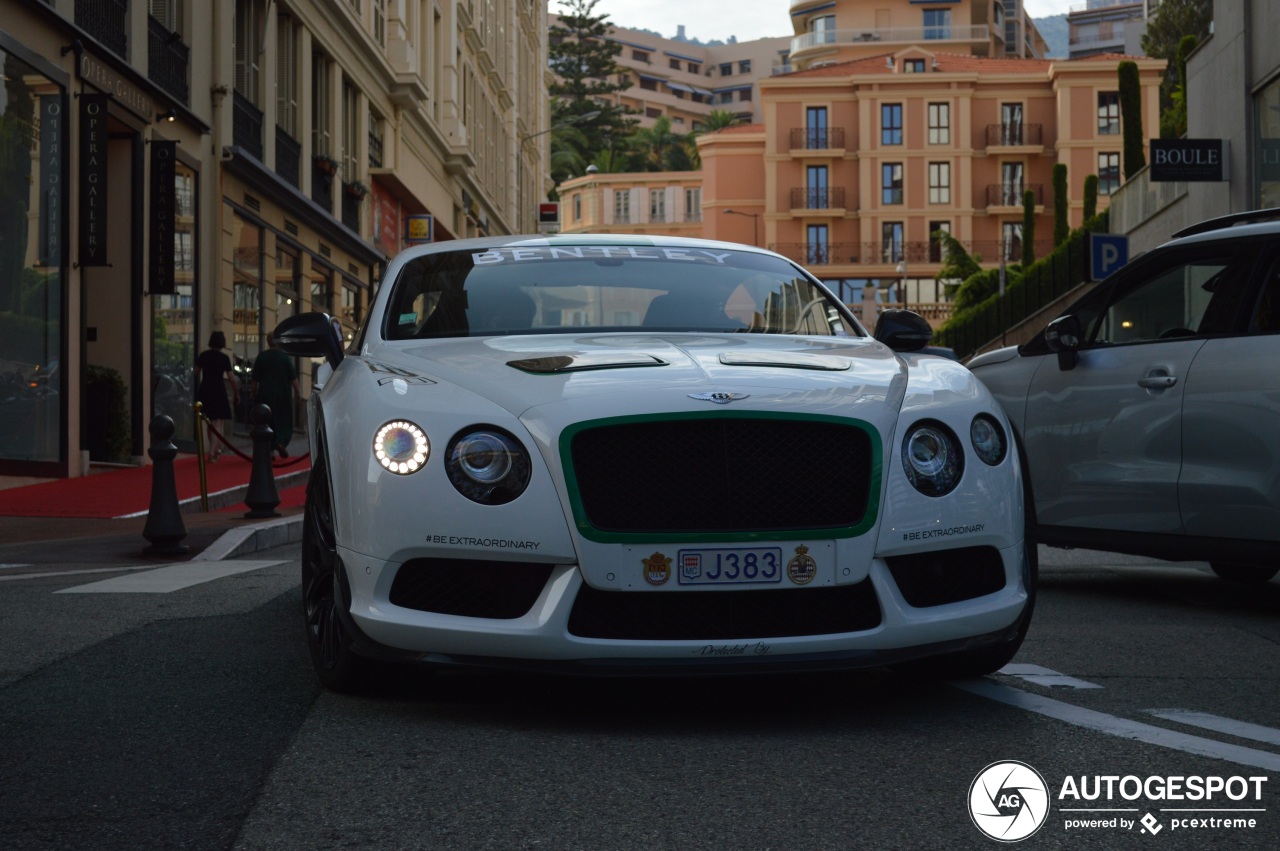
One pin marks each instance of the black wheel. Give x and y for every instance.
(1244, 572)
(336, 664)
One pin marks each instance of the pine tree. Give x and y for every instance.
(1028, 228)
(1090, 197)
(583, 57)
(1134, 157)
(1061, 224)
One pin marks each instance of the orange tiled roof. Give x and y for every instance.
(743, 128)
(947, 63)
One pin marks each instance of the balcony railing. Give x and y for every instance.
(168, 58)
(375, 150)
(890, 35)
(107, 21)
(1011, 135)
(322, 186)
(1010, 194)
(246, 125)
(805, 198)
(351, 198)
(288, 157)
(815, 139)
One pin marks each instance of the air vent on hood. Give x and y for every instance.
(580, 362)
(793, 360)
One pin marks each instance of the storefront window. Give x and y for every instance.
(246, 320)
(33, 136)
(173, 322)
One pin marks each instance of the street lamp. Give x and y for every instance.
(576, 119)
(755, 223)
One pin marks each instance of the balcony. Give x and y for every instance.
(817, 139)
(1010, 194)
(352, 195)
(246, 125)
(288, 158)
(107, 21)
(168, 58)
(806, 198)
(935, 36)
(1014, 135)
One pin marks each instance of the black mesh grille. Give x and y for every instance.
(947, 576)
(723, 615)
(475, 589)
(722, 474)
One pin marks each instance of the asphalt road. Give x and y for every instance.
(190, 719)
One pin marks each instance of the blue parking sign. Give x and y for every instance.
(1107, 252)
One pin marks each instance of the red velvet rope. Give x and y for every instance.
(275, 466)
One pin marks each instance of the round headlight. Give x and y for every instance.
(401, 447)
(988, 439)
(487, 465)
(932, 459)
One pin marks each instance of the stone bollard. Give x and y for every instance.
(261, 497)
(164, 528)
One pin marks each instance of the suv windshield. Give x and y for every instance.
(558, 289)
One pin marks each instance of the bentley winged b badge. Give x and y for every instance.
(719, 397)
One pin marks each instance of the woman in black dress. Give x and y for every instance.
(213, 368)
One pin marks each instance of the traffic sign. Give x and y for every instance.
(1107, 252)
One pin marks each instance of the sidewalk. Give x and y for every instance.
(223, 532)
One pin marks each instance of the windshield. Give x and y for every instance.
(542, 289)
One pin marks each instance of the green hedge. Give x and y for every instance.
(1041, 283)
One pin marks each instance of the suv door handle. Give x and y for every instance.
(1158, 382)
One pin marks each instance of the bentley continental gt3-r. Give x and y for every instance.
(619, 454)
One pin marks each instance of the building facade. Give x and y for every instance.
(191, 167)
(1108, 26)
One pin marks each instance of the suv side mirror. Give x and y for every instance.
(1063, 336)
(903, 331)
(310, 335)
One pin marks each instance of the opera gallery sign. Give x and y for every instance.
(1187, 159)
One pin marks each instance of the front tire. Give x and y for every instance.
(1249, 573)
(337, 665)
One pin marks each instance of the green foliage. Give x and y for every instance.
(718, 119)
(1169, 23)
(117, 424)
(1090, 197)
(585, 60)
(1061, 223)
(957, 265)
(1028, 227)
(1134, 157)
(1173, 119)
(657, 148)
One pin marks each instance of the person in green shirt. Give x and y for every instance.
(275, 384)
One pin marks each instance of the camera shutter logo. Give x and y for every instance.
(1008, 801)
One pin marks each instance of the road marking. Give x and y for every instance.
(1044, 676)
(78, 572)
(12, 566)
(164, 580)
(1122, 727)
(1239, 729)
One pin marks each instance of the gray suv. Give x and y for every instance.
(1148, 414)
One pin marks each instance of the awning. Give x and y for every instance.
(634, 44)
(680, 87)
(651, 78)
(812, 9)
(706, 93)
(689, 58)
(734, 89)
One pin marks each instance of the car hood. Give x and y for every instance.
(630, 372)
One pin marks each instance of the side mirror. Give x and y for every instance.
(310, 335)
(903, 331)
(1063, 336)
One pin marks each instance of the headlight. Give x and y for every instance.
(988, 439)
(931, 458)
(401, 447)
(488, 466)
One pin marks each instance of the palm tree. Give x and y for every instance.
(717, 120)
(657, 148)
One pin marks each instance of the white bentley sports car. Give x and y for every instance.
(620, 454)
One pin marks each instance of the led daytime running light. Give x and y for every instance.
(401, 447)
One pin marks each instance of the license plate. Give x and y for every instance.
(730, 566)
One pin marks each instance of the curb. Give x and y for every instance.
(255, 538)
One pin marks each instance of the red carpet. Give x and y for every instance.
(118, 493)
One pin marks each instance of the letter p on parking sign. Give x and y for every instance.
(1107, 252)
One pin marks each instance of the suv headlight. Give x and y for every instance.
(932, 458)
(487, 465)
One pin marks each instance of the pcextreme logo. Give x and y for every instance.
(1008, 801)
